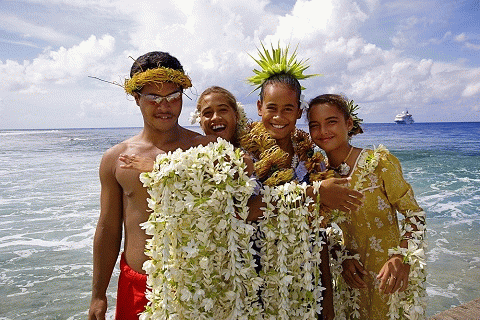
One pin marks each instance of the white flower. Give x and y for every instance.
(194, 117)
(375, 244)
(382, 204)
(185, 294)
(207, 304)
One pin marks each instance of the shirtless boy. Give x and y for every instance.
(157, 81)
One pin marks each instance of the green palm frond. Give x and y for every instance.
(277, 62)
(353, 111)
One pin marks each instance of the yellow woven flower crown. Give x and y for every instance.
(160, 74)
(278, 62)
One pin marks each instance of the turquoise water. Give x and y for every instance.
(49, 202)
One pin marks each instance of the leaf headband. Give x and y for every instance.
(277, 62)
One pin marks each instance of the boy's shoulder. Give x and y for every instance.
(130, 145)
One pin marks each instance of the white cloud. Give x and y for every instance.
(472, 46)
(461, 37)
(57, 67)
(471, 90)
(30, 30)
(211, 38)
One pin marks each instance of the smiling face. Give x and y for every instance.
(279, 111)
(328, 127)
(163, 115)
(217, 116)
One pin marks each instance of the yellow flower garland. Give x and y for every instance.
(161, 74)
(273, 167)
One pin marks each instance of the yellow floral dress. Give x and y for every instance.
(373, 229)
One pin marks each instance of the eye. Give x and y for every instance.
(173, 96)
(207, 114)
(151, 97)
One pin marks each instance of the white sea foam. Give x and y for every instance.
(26, 132)
(437, 291)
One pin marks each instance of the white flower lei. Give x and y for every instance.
(409, 304)
(201, 264)
(291, 254)
(345, 299)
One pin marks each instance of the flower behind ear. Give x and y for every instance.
(353, 112)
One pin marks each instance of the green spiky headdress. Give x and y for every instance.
(278, 62)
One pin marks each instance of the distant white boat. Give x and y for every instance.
(404, 118)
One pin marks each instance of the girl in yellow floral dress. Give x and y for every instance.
(381, 263)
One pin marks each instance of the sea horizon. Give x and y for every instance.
(299, 123)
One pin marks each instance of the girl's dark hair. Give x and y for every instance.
(285, 79)
(341, 103)
(153, 60)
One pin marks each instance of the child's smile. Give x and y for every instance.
(279, 111)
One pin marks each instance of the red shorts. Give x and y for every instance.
(131, 292)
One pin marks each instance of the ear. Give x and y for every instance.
(300, 112)
(349, 124)
(259, 108)
(137, 98)
(201, 122)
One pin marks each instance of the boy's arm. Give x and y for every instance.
(108, 236)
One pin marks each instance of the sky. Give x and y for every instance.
(387, 55)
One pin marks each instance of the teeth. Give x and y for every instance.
(218, 126)
(278, 126)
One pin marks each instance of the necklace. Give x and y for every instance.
(272, 166)
(295, 157)
(343, 169)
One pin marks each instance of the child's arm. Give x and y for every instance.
(328, 311)
(136, 162)
(336, 195)
(394, 274)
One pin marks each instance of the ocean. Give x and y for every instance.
(49, 205)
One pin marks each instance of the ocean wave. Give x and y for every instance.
(26, 132)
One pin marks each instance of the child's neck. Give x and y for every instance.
(339, 155)
(286, 145)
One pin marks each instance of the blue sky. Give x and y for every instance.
(388, 56)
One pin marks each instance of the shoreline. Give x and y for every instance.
(466, 311)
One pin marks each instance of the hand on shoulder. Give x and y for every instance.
(335, 194)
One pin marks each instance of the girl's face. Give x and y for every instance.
(328, 127)
(217, 117)
(279, 111)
